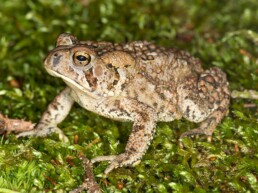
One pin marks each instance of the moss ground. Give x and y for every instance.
(220, 33)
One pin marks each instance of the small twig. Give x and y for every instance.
(69, 160)
(251, 105)
(52, 181)
(17, 125)
(247, 94)
(89, 183)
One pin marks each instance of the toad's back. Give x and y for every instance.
(156, 74)
(160, 64)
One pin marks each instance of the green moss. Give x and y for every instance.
(220, 34)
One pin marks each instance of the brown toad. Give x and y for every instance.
(138, 82)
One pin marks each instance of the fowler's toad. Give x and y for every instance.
(138, 82)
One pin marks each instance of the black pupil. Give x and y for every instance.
(81, 58)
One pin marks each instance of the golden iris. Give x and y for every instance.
(81, 58)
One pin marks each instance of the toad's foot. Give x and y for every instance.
(194, 132)
(116, 161)
(207, 127)
(41, 131)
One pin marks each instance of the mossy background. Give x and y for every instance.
(220, 33)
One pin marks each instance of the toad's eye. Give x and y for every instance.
(81, 58)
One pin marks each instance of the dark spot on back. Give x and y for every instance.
(187, 110)
(110, 66)
(115, 82)
(155, 104)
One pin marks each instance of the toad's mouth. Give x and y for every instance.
(71, 83)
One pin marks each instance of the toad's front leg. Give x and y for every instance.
(142, 133)
(56, 112)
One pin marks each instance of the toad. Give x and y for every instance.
(138, 82)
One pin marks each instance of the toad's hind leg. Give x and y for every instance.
(205, 99)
